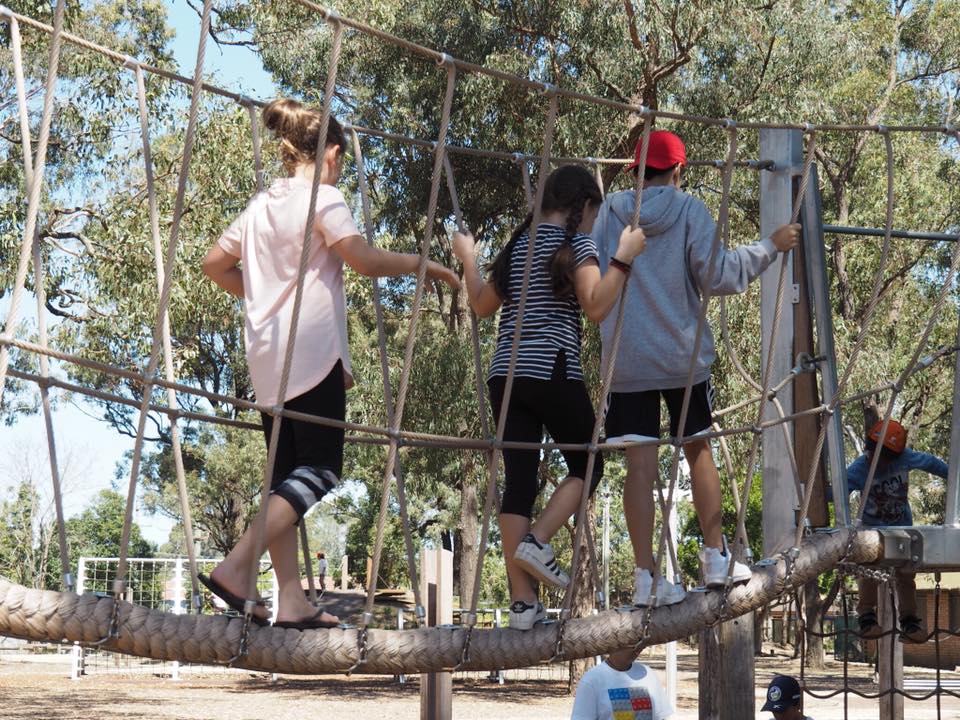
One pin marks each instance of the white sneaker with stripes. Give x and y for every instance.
(523, 616)
(668, 593)
(538, 560)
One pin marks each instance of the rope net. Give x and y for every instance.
(115, 624)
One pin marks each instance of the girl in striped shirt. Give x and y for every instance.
(548, 389)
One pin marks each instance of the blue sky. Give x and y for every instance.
(89, 448)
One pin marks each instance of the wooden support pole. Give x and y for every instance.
(436, 589)
(890, 657)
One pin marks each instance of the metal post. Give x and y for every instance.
(402, 679)
(497, 620)
(671, 650)
(76, 664)
(785, 149)
(178, 602)
(953, 476)
(819, 287)
(436, 580)
(606, 546)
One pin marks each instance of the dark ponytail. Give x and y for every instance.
(499, 269)
(568, 188)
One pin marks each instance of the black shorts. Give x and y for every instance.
(564, 408)
(304, 444)
(636, 415)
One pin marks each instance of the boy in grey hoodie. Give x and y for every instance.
(660, 325)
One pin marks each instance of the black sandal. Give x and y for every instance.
(911, 631)
(234, 602)
(310, 623)
(869, 628)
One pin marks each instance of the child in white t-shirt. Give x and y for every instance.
(620, 688)
(258, 258)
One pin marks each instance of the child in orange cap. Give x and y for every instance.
(888, 505)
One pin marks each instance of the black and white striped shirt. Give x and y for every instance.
(550, 324)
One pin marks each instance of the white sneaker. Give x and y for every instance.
(714, 565)
(523, 616)
(668, 593)
(539, 561)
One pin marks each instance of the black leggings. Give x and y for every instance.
(309, 457)
(564, 407)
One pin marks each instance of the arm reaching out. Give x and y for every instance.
(482, 295)
(375, 262)
(598, 294)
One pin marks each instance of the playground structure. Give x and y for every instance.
(794, 556)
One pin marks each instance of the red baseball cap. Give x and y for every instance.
(665, 150)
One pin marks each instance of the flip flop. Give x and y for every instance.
(234, 602)
(310, 623)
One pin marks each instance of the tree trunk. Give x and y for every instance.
(583, 601)
(709, 685)
(759, 618)
(814, 607)
(469, 533)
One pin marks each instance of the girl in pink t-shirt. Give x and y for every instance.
(257, 258)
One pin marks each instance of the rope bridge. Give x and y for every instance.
(114, 624)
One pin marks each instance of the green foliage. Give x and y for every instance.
(98, 530)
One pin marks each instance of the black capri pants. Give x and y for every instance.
(309, 457)
(564, 408)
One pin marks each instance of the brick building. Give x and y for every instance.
(949, 618)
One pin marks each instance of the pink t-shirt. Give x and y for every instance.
(268, 238)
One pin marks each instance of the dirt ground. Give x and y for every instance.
(43, 690)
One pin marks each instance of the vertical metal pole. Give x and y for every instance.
(76, 666)
(785, 149)
(402, 679)
(178, 603)
(953, 476)
(671, 649)
(436, 583)
(606, 547)
(819, 288)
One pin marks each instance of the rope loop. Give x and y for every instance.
(729, 124)
(446, 60)
(246, 101)
(809, 128)
(129, 63)
(643, 111)
(361, 649)
(882, 130)
(519, 157)
(549, 89)
(947, 129)
(333, 17)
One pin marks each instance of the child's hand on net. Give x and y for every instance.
(786, 237)
(436, 271)
(632, 243)
(464, 246)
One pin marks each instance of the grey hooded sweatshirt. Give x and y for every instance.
(667, 279)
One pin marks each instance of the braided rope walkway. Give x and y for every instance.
(51, 616)
(120, 626)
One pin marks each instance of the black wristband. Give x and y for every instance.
(620, 265)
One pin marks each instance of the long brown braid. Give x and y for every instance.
(568, 188)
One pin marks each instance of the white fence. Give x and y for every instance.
(157, 583)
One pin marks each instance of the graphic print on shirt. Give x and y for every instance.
(630, 703)
(888, 498)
